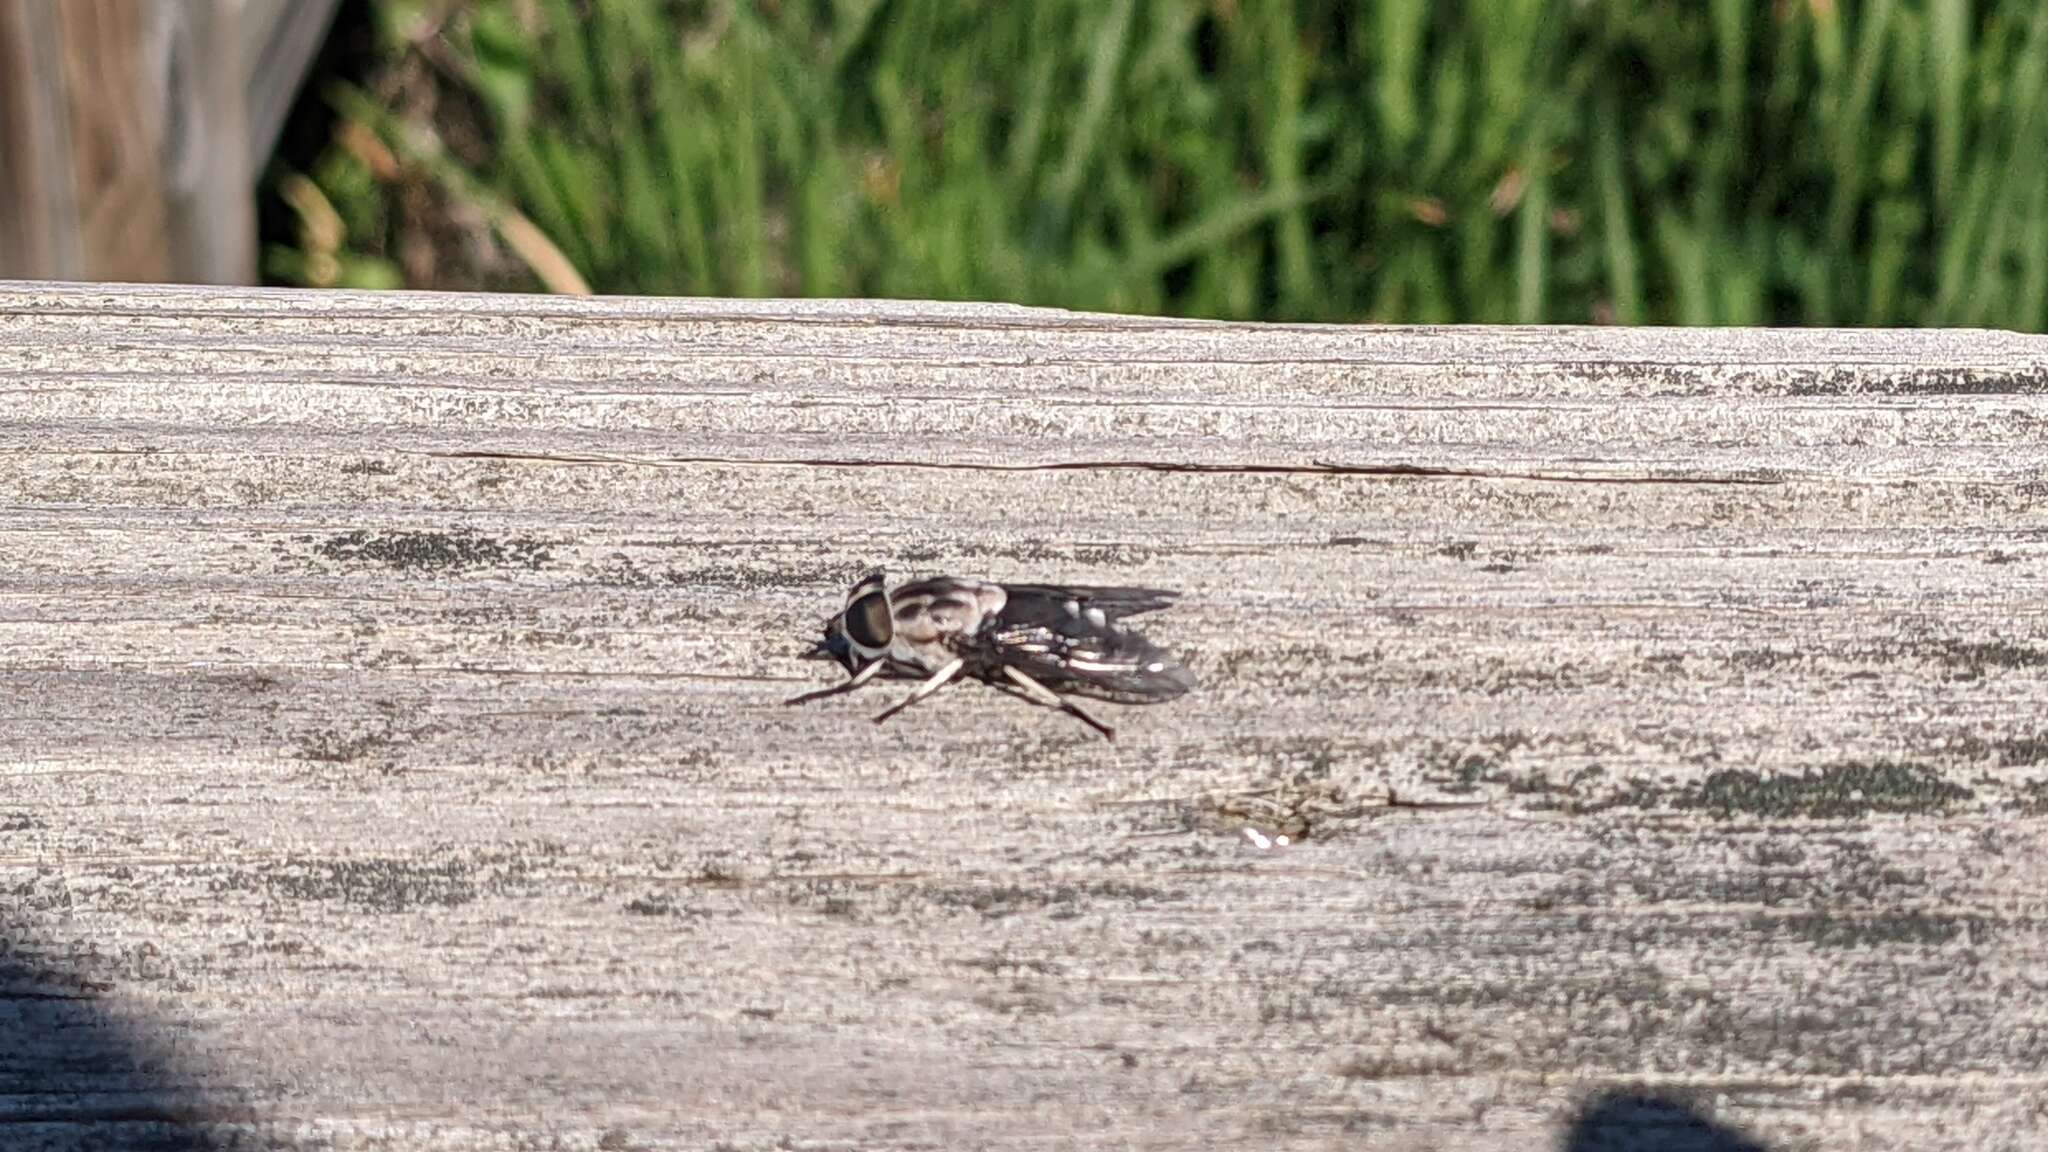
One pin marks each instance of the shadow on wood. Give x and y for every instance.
(76, 1075)
(1644, 1122)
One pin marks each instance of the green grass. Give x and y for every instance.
(1658, 161)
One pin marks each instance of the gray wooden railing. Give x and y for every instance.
(391, 748)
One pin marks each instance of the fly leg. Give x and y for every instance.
(1040, 694)
(856, 680)
(938, 680)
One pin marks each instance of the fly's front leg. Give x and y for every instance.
(938, 680)
(856, 680)
(1039, 693)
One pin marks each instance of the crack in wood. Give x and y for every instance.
(1312, 468)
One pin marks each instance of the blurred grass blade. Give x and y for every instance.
(1728, 161)
(1081, 145)
(427, 154)
(1624, 288)
(1948, 60)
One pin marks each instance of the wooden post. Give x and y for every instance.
(124, 143)
(279, 40)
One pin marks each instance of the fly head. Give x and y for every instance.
(860, 634)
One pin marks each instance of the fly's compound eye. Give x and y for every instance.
(868, 625)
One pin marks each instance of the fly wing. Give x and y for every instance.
(1066, 639)
(1114, 603)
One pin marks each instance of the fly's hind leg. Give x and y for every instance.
(849, 684)
(938, 680)
(1040, 694)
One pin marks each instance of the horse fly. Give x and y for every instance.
(1039, 642)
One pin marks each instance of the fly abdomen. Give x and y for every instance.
(1072, 646)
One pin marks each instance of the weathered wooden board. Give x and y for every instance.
(391, 756)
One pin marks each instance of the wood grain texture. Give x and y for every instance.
(38, 211)
(391, 756)
(124, 150)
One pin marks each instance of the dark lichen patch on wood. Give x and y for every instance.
(1908, 927)
(1279, 664)
(1041, 551)
(1833, 792)
(1621, 985)
(1057, 899)
(388, 726)
(1979, 656)
(1009, 964)
(1460, 549)
(1967, 659)
(1498, 561)
(707, 567)
(658, 906)
(376, 884)
(434, 552)
(1407, 1065)
(368, 468)
(1770, 659)
(245, 682)
(622, 571)
(1313, 756)
(2033, 797)
(829, 896)
(761, 578)
(1467, 772)
(335, 746)
(1485, 766)
(2029, 750)
(1761, 867)
(391, 884)
(1928, 382)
